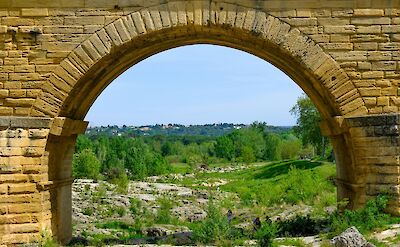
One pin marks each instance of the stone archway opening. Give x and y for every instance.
(103, 72)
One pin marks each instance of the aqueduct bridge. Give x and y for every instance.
(56, 57)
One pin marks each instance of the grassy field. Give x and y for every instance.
(269, 184)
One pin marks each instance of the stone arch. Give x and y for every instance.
(91, 66)
(38, 141)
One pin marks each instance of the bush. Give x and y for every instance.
(266, 234)
(214, 228)
(47, 241)
(369, 217)
(88, 211)
(247, 154)
(136, 205)
(122, 183)
(164, 212)
(290, 149)
(303, 185)
(86, 165)
(120, 211)
(299, 226)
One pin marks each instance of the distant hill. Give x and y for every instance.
(210, 130)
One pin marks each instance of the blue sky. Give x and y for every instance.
(197, 84)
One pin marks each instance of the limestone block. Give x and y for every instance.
(16, 61)
(3, 29)
(338, 46)
(71, 68)
(130, 25)
(340, 38)
(369, 29)
(364, 46)
(25, 76)
(379, 55)
(3, 190)
(248, 21)
(84, 20)
(391, 29)
(19, 102)
(371, 21)
(368, 12)
(24, 69)
(20, 238)
(122, 31)
(345, 29)
(34, 12)
(38, 133)
(390, 109)
(64, 29)
(370, 38)
(364, 65)
(330, 21)
(13, 178)
(370, 101)
(6, 168)
(115, 38)
(21, 188)
(384, 65)
(342, 13)
(301, 21)
(350, 56)
(370, 91)
(17, 21)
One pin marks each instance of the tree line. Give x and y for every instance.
(135, 157)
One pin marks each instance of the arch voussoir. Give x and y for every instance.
(99, 45)
(91, 51)
(180, 14)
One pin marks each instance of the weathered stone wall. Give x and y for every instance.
(57, 56)
(24, 200)
(33, 41)
(376, 145)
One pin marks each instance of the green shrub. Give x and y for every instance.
(266, 234)
(121, 182)
(135, 207)
(47, 240)
(88, 211)
(247, 155)
(114, 210)
(290, 149)
(304, 185)
(214, 228)
(121, 211)
(299, 226)
(86, 165)
(164, 212)
(100, 193)
(371, 216)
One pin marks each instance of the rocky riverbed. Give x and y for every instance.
(156, 210)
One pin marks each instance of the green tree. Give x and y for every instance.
(290, 148)
(252, 138)
(272, 148)
(224, 148)
(167, 149)
(308, 121)
(247, 155)
(86, 165)
(83, 142)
